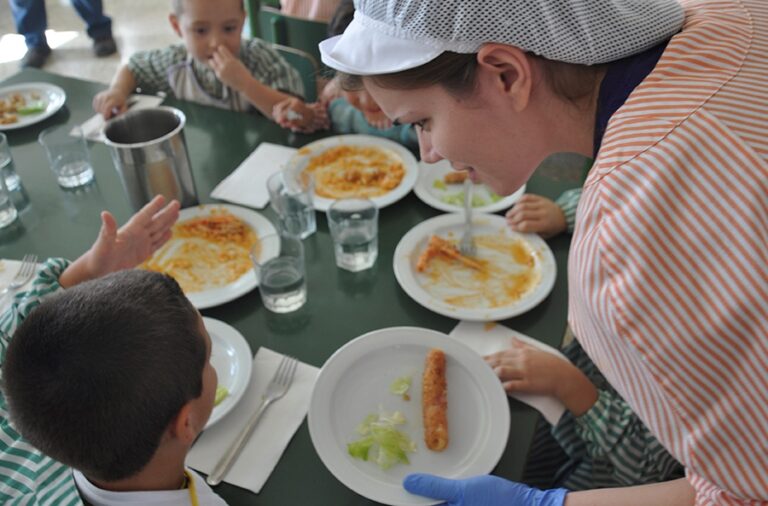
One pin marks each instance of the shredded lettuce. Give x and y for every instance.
(439, 184)
(390, 445)
(400, 386)
(221, 394)
(32, 108)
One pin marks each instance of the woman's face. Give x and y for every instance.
(481, 133)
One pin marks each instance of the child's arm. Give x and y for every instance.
(525, 369)
(534, 214)
(111, 102)
(116, 249)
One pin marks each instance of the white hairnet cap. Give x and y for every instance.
(393, 35)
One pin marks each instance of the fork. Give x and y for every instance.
(467, 243)
(275, 390)
(23, 275)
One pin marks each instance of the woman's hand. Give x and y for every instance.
(481, 491)
(523, 368)
(116, 249)
(535, 214)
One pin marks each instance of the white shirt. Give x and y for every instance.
(99, 497)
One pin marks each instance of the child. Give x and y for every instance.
(110, 377)
(356, 111)
(213, 67)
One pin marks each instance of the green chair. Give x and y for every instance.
(306, 65)
(299, 33)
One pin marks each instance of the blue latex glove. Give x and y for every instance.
(482, 491)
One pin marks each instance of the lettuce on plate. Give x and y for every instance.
(381, 441)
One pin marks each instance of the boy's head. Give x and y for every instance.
(207, 24)
(100, 375)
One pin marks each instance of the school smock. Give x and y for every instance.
(668, 271)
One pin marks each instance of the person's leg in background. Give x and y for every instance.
(30, 20)
(99, 26)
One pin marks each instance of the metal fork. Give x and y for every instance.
(22, 277)
(467, 243)
(275, 390)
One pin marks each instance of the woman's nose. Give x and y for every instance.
(426, 150)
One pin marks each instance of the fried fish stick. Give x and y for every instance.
(455, 177)
(434, 401)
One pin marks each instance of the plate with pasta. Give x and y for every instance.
(360, 166)
(510, 274)
(356, 414)
(209, 252)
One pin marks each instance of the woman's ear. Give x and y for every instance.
(510, 70)
(174, 20)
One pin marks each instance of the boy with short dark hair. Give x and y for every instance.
(110, 376)
(214, 66)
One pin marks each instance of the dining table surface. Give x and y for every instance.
(55, 222)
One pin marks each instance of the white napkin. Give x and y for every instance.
(247, 185)
(490, 338)
(272, 434)
(93, 127)
(8, 269)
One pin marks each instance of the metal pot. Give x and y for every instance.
(150, 154)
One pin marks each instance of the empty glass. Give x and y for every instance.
(7, 169)
(354, 227)
(68, 154)
(278, 260)
(291, 197)
(8, 211)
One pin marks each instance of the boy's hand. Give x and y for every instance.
(523, 368)
(298, 116)
(481, 491)
(110, 103)
(229, 69)
(538, 215)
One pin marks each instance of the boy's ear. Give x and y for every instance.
(510, 70)
(185, 427)
(174, 20)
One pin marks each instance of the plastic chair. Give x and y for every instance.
(299, 33)
(307, 67)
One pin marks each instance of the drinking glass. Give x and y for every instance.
(12, 180)
(290, 194)
(354, 227)
(68, 154)
(278, 260)
(8, 211)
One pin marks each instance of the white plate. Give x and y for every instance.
(247, 282)
(355, 381)
(232, 359)
(414, 283)
(426, 191)
(302, 157)
(50, 93)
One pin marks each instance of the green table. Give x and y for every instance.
(341, 305)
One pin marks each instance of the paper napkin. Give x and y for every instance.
(273, 433)
(490, 338)
(247, 185)
(8, 269)
(93, 127)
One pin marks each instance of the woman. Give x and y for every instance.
(668, 272)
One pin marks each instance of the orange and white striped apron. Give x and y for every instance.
(669, 264)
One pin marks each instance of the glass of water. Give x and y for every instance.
(290, 194)
(8, 211)
(278, 260)
(354, 225)
(68, 154)
(12, 180)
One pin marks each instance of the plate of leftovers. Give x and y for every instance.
(29, 103)
(442, 187)
(360, 166)
(404, 400)
(232, 359)
(209, 252)
(510, 274)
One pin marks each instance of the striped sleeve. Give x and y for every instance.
(568, 202)
(271, 69)
(26, 475)
(150, 68)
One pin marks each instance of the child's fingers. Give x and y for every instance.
(514, 386)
